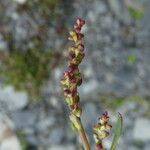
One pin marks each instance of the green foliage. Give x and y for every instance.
(27, 70)
(21, 136)
(115, 103)
(112, 102)
(131, 58)
(44, 7)
(49, 3)
(117, 132)
(136, 13)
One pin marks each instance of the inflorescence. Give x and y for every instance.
(71, 80)
(101, 130)
(72, 76)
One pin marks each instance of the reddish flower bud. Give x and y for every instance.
(99, 146)
(72, 77)
(81, 47)
(67, 91)
(108, 126)
(77, 28)
(71, 68)
(80, 36)
(80, 22)
(104, 116)
(71, 55)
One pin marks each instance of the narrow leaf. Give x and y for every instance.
(117, 132)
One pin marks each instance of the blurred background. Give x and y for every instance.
(116, 70)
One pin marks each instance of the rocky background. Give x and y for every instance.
(116, 69)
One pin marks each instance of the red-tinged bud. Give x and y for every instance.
(77, 28)
(104, 117)
(71, 55)
(71, 68)
(80, 36)
(67, 75)
(80, 22)
(81, 47)
(101, 130)
(99, 146)
(67, 91)
(108, 126)
(75, 67)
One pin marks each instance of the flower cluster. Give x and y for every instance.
(72, 76)
(101, 130)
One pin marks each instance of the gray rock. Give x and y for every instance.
(8, 139)
(119, 8)
(147, 146)
(23, 119)
(131, 148)
(89, 114)
(3, 44)
(90, 87)
(20, 1)
(100, 7)
(88, 72)
(89, 118)
(56, 135)
(11, 99)
(46, 123)
(11, 143)
(142, 129)
(62, 147)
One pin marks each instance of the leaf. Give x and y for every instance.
(117, 132)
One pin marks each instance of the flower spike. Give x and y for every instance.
(72, 79)
(101, 130)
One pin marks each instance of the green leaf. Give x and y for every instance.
(117, 132)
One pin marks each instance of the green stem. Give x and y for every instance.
(83, 137)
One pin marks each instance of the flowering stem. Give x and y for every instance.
(83, 137)
(72, 79)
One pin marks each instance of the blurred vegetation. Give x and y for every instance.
(135, 12)
(53, 12)
(46, 6)
(29, 67)
(27, 70)
(25, 145)
(131, 58)
(113, 102)
(22, 139)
